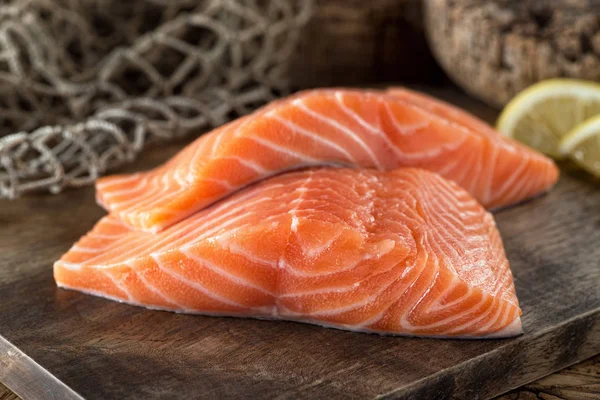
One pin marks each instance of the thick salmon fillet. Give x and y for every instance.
(328, 127)
(402, 252)
(446, 110)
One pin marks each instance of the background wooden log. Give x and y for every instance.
(494, 49)
(351, 42)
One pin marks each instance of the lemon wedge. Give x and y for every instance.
(541, 115)
(582, 145)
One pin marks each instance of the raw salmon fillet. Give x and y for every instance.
(445, 110)
(328, 127)
(403, 252)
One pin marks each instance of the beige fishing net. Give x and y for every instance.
(86, 84)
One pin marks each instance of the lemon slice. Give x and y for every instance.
(543, 113)
(582, 145)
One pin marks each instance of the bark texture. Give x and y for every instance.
(494, 49)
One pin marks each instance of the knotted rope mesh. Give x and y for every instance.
(86, 84)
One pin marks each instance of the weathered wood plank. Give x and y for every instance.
(27, 377)
(103, 349)
(578, 382)
(7, 394)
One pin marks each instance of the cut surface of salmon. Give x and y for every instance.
(327, 127)
(402, 252)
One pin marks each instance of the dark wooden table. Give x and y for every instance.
(103, 349)
(578, 382)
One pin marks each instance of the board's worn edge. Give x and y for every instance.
(29, 380)
(447, 384)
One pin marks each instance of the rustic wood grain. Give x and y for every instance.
(7, 394)
(27, 377)
(103, 349)
(578, 382)
(356, 41)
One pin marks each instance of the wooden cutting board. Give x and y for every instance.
(62, 344)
